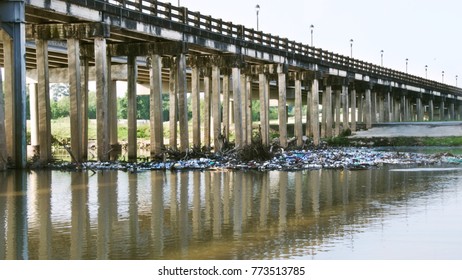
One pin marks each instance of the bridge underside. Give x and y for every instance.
(195, 59)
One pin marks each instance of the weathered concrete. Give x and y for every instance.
(195, 103)
(3, 152)
(132, 104)
(412, 129)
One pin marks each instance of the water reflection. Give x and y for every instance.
(208, 215)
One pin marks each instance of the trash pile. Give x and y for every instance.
(331, 158)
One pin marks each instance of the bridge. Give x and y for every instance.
(190, 56)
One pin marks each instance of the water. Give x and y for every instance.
(386, 213)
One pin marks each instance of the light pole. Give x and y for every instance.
(457, 76)
(442, 76)
(257, 9)
(406, 64)
(426, 68)
(178, 3)
(351, 48)
(312, 28)
(381, 58)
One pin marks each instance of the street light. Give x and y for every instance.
(406, 64)
(178, 3)
(381, 58)
(312, 28)
(426, 67)
(457, 76)
(257, 9)
(351, 48)
(442, 76)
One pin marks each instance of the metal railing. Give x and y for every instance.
(185, 17)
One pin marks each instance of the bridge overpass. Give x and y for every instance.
(171, 49)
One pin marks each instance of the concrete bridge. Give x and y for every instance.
(171, 49)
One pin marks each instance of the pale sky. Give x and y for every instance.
(427, 32)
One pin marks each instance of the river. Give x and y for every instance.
(391, 212)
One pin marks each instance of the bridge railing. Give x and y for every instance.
(249, 35)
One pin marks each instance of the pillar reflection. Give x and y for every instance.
(283, 181)
(217, 204)
(184, 228)
(80, 214)
(237, 207)
(42, 183)
(196, 210)
(3, 214)
(134, 227)
(157, 216)
(17, 228)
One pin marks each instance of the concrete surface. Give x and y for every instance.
(411, 129)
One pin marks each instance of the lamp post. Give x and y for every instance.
(426, 68)
(178, 3)
(457, 76)
(381, 58)
(407, 59)
(311, 29)
(351, 48)
(442, 76)
(257, 9)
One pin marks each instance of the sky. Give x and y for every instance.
(426, 32)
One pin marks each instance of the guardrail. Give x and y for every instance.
(183, 16)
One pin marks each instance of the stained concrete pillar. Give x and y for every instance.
(403, 108)
(132, 72)
(43, 101)
(282, 102)
(33, 112)
(264, 108)
(243, 104)
(353, 109)
(3, 152)
(298, 126)
(360, 106)
(75, 94)
(323, 112)
(338, 105)
(102, 99)
(9, 95)
(345, 107)
(451, 109)
(329, 112)
(236, 72)
(309, 99)
(156, 119)
(373, 107)
(380, 108)
(368, 109)
(216, 108)
(182, 103)
(113, 122)
(388, 105)
(226, 107)
(431, 110)
(442, 113)
(195, 102)
(459, 109)
(83, 107)
(397, 109)
(173, 108)
(207, 108)
(314, 111)
(419, 109)
(248, 110)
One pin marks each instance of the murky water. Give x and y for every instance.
(387, 213)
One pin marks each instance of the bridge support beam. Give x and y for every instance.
(173, 108)
(452, 115)
(195, 103)
(430, 110)
(314, 111)
(248, 110)
(264, 108)
(353, 109)
(329, 112)
(368, 109)
(373, 107)
(3, 150)
(207, 108)
(182, 103)
(102, 99)
(345, 107)
(226, 107)
(157, 130)
(442, 113)
(236, 72)
(419, 109)
(216, 108)
(298, 126)
(282, 113)
(132, 107)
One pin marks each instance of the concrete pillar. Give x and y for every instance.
(353, 109)
(3, 152)
(243, 104)
(452, 115)
(236, 72)
(345, 107)
(195, 102)
(226, 107)
(207, 108)
(248, 110)
(102, 97)
(75, 94)
(113, 123)
(323, 114)
(360, 106)
(298, 126)
(368, 109)
(373, 107)
(328, 111)
(83, 108)
(388, 105)
(264, 109)
(380, 108)
(309, 99)
(338, 103)
(282, 109)
(182, 103)
(9, 95)
(397, 109)
(442, 116)
(460, 111)
(33, 111)
(173, 109)
(216, 108)
(132, 72)
(431, 110)
(156, 119)
(403, 109)
(314, 111)
(419, 108)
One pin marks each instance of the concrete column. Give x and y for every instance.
(338, 103)
(33, 111)
(195, 102)
(368, 109)
(264, 108)
(459, 109)
(353, 109)
(381, 108)
(397, 109)
(248, 110)
(442, 116)
(360, 106)
(419, 109)
(173, 109)
(156, 119)
(237, 108)
(43, 101)
(113, 122)
(216, 108)
(102, 96)
(373, 107)
(243, 104)
(282, 109)
(452, 115)
(314, 111)
(226, 107)
(298, 126)
(182, 103)
(75, 94)
(329, 114)
(323, 113)
(3, 152)
(404, 108)
(309, 98)
(9, 95)
(83, 108)
(132, 71)
(207, 108)
(345, 107)
(387, 104)
(431, 110)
